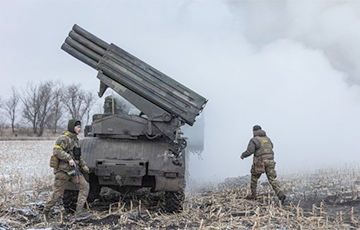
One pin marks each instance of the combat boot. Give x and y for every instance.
(251, 197)
(82, 215)
(47, 215)
(282, 198)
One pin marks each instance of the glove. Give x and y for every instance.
(86, 169)
(241, 156)
(71, 162)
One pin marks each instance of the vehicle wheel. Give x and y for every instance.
(174, 201)
(70, 200)
(95, 188)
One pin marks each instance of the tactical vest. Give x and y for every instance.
(73, 149)
(265, 146)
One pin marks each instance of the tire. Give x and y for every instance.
(174, 201)
(95, 188)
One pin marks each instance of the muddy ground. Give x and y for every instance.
(323, 199)
(309, 205)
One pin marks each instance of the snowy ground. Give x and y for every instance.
(24, 164)
(325, 199)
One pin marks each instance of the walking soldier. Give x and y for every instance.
(67, 163)
(263, 162)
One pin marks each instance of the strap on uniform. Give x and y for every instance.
(266, 156)
(263, 154)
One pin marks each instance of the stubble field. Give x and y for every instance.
(324, 199)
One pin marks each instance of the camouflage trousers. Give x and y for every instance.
(61, 178)
(271, 176)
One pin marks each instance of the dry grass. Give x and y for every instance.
(326, 199)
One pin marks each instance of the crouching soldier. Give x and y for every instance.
(263, 162)
(67, 162)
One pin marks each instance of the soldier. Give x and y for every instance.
(263, 162)
(65, 160)
(118, 108)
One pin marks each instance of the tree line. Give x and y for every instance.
(45, 105)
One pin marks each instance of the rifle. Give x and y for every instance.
(76, 156)
(75, 172)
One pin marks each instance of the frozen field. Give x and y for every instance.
(25, 164)
(325, 199)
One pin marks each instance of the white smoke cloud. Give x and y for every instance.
(291, 75)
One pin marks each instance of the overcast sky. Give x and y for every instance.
(290, 66)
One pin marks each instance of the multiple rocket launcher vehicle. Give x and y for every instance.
(128, 152)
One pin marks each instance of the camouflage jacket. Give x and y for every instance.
(254, 143)
(63, 151)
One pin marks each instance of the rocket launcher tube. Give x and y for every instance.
(85, 42)
(90, 37)
(87, 52)
(78, 55)
(134, 74)
(169, 101)
(142, 72)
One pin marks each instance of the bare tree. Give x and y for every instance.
(11, 107)
(56, 111)
(89, 100)
(37, 102)
(30, 101)
(45, 102)
(2, 124)
(2, 120)
(77, 101)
